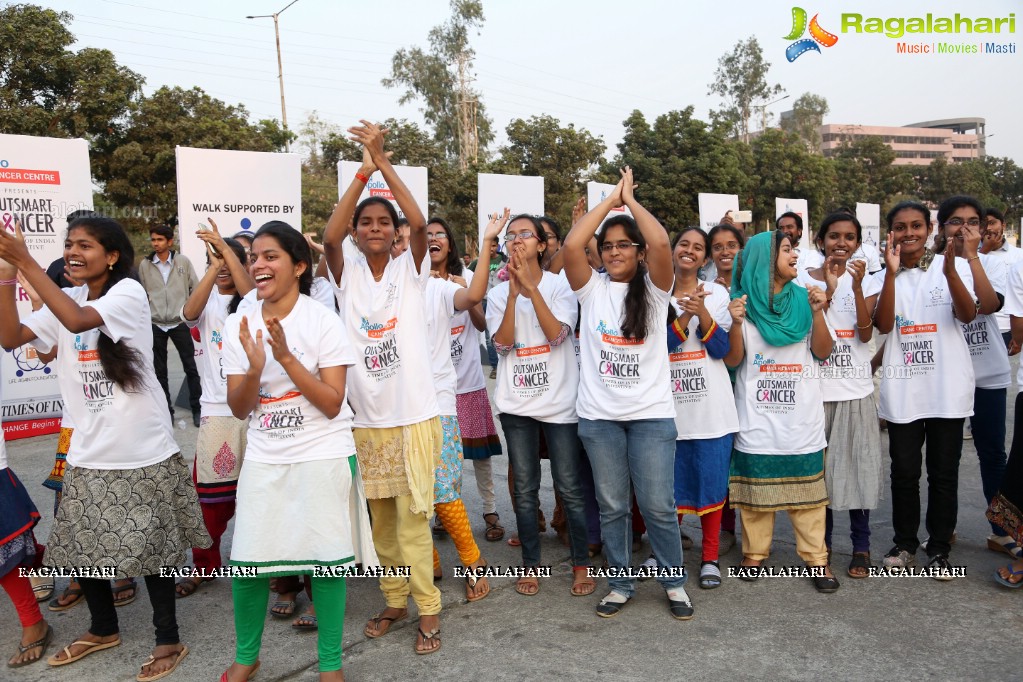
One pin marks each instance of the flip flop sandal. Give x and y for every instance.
(710, 575)
(252, 673)
(132, 586)
(43, 589)
(529, 580)
(93, 648)
(471, 581)
(186, 587)
(307, 622)
(378, 619)
(153, 659)
(76, 592)
(287, 604)
(860, 560)
(583, 585)
(1008, 583)
(495, 531)
(44, 642)
(433, 635)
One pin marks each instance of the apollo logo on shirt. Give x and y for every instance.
(217, 338)
(381, 359)
(688, 382)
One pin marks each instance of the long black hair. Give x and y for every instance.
(637, 300)
(239, 251)
(295, 245)
(453, 261)
(123, 365)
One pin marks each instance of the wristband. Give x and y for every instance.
(8, 282)
(362, 178)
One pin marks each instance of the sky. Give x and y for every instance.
(589, 63)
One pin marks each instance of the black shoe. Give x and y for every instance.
(681, 609)
(196, 418)
(610, 609)
(824, 584)
(940, 568)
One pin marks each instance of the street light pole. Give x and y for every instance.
(280, 67)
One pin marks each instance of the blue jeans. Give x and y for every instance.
(988, 426)
(642, 451)
(523, 437)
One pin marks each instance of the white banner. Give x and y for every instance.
(713, 208)
(520, 193)
(596, 192)
(415, 178)
(238, 190)
(869, 216)
(799, 207)
(42, 180)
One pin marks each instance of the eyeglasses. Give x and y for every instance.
(510, 237)
(959, 222)
(621, 246)
(440, 236)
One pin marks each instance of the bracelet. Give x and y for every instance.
(866, 326)
(362, 178)
(8, 282)
(970, 260)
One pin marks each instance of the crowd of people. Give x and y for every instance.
(706, 374)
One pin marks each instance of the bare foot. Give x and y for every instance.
(166, 655)
(285, 604)
(428, 624)
(476, 588)
(33, 633)
(332, 676)
(77, 649)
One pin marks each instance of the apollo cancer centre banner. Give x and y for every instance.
(416, 178)
(238, 190)
(42, 180)
(520, 193)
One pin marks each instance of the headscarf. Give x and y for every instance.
(781, 318)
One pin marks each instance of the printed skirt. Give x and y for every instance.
(476, 422)
(219, 451)
(701, 474)
(447, 474)
(18, 516)
(776, 482)
(132, 520)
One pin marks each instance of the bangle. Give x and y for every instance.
(8, 282)
(970, 260)
(362, 178)
(866, 326)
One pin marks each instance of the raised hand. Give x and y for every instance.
(313, 246)
(371, 137)
(832, 271)
(628, 185)
(460, 281)
(253, 347)
(817, 298)
(278, 342)
(13, 251)
(579, 210)
(737, 309)
(727, 219)
(949, 266)
(971, 240)
(694, 303)
(213, 239)
(858, 270)
(891, 254)
(494, 227)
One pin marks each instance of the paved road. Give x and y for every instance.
(776, 628)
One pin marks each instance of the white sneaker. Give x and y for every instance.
(899, 558)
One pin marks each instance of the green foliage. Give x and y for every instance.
(808, 114)
(741, 81)
(865, 173)
(47, 89)
(785, 168)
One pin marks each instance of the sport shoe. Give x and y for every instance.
(899, 558)
(940, 567)
(952, 541)
(967, 432)
(650, 565)
(679, 603)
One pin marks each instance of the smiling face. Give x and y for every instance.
(994, 232)
(909, 229)
(840, 240)
(723, 250)
(275, 273)
(618, 254)
(437, 244)
(690, 252)
(375, 230)
(791, 228)
(224, 281)
(785, 266)
(86, 258)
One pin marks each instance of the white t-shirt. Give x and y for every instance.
(1009, 256)
(323, 293)
(778, 398)
(113, 429)
(813, 258)
(846, 374)
(536, 379)
(987, 350)
(926, 371)
(622, 379)
(465, 349)
(440, 307)
(392, 383)
(1014, 305)
(211, 363)
(704, 404)
(285, 428)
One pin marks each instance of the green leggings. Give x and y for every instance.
(251, 596)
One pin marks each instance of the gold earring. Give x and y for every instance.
(110, 267)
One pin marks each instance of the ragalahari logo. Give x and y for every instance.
(803, 45)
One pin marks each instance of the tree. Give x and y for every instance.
(741, 80)
(784, 168)
(138, 168)
(48, 90)
(866, 172)
(563, 156)
(433, 78)
(676, 159)
(808, 114)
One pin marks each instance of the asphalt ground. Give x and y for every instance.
(777, 628)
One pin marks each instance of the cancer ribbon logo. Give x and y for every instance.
(804, 45)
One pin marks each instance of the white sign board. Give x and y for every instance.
(713, 208)
(238, 190)
(42, 180)
(414, 177)
(520, 193)
(596, 192)
(869, 216)
(799, 207)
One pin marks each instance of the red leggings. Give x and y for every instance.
(19, 589)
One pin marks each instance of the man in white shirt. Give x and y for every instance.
(997, 247)
(169, 279)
